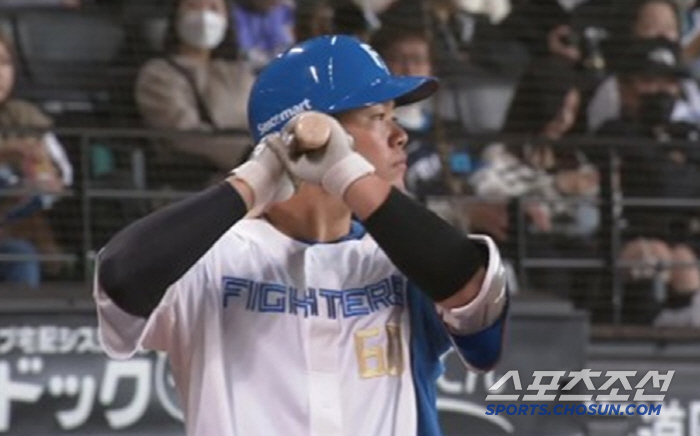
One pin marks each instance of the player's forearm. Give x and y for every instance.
(141, 261)
(365, 195)
(467, 293)
(438, 258)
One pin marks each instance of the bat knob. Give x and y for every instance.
(311, 131)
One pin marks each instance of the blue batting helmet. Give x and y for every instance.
(329, 74)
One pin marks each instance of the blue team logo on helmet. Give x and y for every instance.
(329, 74)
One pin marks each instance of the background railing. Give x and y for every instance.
(101, 201)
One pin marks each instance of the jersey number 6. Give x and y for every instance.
(379, 355)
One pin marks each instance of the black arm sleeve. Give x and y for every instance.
(434, 255)
(141, 261)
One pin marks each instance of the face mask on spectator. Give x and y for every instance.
(202, 29)
(656, 108)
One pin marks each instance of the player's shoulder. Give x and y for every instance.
(244, 240)
(246, 230)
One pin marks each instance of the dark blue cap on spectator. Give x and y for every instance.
(653, 57)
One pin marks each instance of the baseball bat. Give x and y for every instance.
(311, 131)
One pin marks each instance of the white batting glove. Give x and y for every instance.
(266, 176)
(334, 167)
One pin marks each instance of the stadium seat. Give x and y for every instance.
(478, 100)
(67, 57)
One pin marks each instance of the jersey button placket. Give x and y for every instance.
(324, 365)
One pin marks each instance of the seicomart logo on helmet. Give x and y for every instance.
(284, 115)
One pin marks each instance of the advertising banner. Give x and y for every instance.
(55, 379)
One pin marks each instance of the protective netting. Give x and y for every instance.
(567, 130)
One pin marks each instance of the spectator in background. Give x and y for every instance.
(436, 166)
(26, 272)
(264, 29)
(350, 19)
(661, 243)
(374, 10)
(572, 31)
(544, 27)
(198, 85)
(650, 78)
(312, 18)
(562, 215)
(640, 19)
(643, 19)
(358, 18)
(569, 30)
(323, 17)
(544, 109)
(33, 161)
(451, 27)
(690, 40)
(406, 52)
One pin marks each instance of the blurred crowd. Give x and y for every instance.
(551, 111)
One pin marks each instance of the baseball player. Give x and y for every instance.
(319, 307)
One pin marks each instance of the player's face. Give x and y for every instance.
(7, 72)
(379, 139)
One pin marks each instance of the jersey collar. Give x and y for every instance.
(357, 232)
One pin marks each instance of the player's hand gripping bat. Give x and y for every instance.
(318, 150)
(311, 131)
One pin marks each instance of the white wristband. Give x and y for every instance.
(489, 303)
(341, 175)
(259, 179)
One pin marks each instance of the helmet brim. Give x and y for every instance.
(400, 89)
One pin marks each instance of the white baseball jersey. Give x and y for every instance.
(268, 335)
